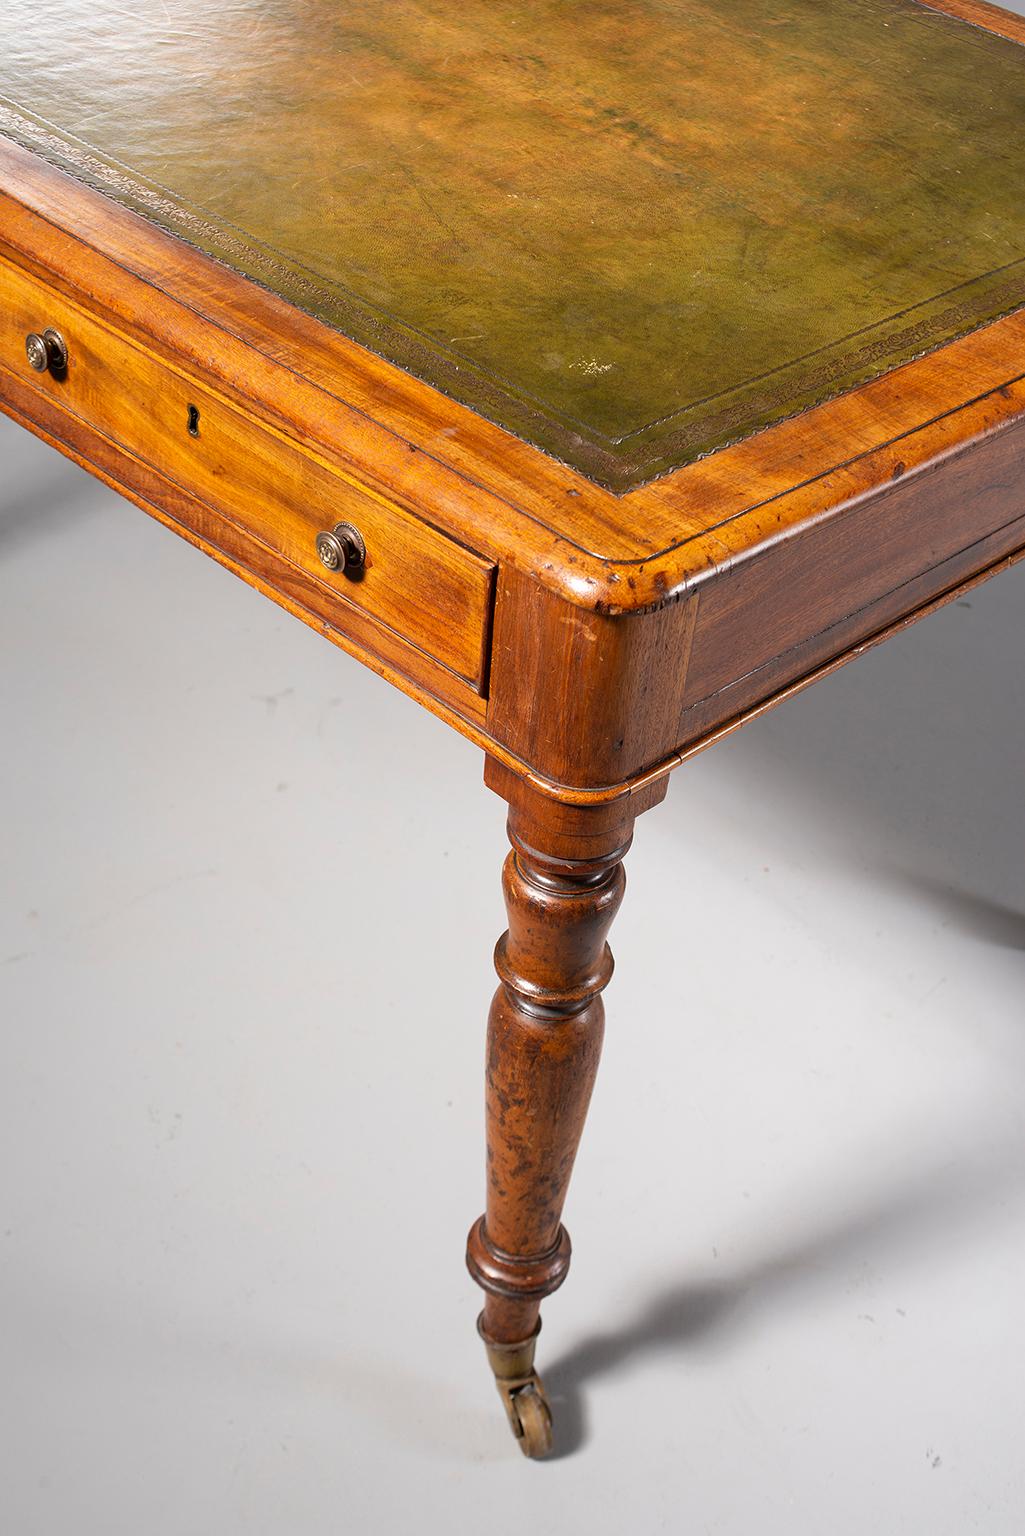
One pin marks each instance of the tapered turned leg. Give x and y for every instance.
(563, 883)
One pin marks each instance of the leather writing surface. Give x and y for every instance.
(629, 231)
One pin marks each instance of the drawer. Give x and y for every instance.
(424, 586)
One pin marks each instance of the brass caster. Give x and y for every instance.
(529, 1416)
(522, 1392)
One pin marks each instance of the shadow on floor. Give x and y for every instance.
(928, 1209)
(37, 508)
(991, 922)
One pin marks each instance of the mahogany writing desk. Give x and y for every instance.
(597, 373)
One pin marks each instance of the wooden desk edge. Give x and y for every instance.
(991, 18)
(638, 790)
(611, 611)
(476, 482)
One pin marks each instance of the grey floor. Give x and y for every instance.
(248, 895)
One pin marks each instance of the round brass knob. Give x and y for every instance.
(57, 349)
(35, 351)
(342, 549)
(48, 351)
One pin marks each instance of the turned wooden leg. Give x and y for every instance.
(563, 883)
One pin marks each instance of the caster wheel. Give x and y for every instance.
(523, 1396)
(531, 1420)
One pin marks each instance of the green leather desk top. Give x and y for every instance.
(629, 231)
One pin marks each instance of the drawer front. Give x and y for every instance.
(420, 583)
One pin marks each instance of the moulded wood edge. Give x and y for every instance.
(502, 530)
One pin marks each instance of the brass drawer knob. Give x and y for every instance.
(47, 352)
(342, 549)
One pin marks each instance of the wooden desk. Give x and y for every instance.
(598, 374)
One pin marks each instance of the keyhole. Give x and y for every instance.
(193, 421)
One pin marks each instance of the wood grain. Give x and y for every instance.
(455, 470)
(707, 721)
(991, 18)
(617, 619)
(588, 268)
(588, 642)
(563, 884)
(804, 584)
(586, 699)
(376, 646)
(427, 588)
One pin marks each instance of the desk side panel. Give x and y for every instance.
(801, 603)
